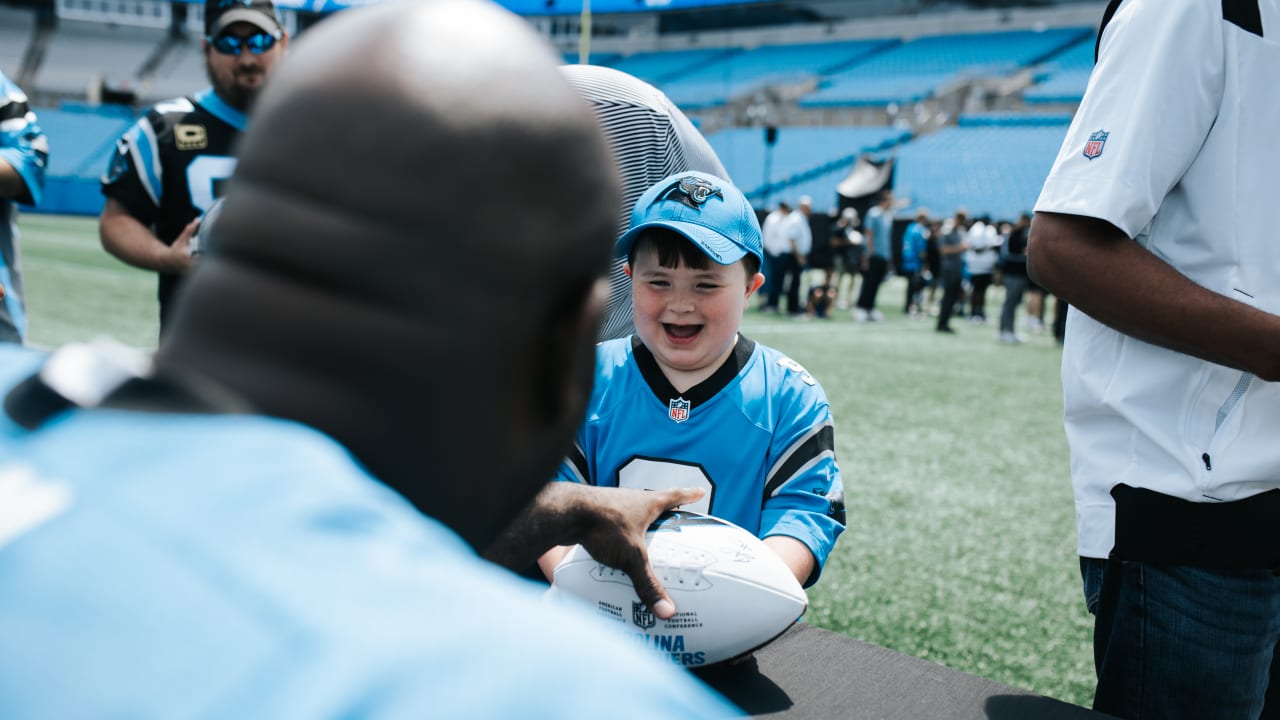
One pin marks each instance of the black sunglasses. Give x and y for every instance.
(257, 43)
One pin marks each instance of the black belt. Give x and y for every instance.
(1157, 528)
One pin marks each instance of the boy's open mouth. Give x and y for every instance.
(681, 332)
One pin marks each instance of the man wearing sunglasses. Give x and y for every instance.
(170, 166)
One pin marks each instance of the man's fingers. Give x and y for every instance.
(673, 498)
(650, 591)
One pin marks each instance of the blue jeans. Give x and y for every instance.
(1014, 287)
(1181, 642)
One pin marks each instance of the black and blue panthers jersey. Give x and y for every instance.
(171, 165)
(757, 435)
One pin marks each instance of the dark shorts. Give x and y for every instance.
(847, 260)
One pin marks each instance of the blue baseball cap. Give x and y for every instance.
(709, 211)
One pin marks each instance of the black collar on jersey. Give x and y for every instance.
(703, 391)
(167, 391)
(33, 402)
(1244, 14)
(1107, 14)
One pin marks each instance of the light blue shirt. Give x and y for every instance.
(880, 222)
(914, 244)
(174, 566)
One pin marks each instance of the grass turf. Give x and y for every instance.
(76, 291)
(960, 546)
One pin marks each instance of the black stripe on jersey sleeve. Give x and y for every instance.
(835, 498)
(819, 443)
(12, 110)
(1244, 14)
(578, 460)
(1107, 14)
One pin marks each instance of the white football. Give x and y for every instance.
(732, 593)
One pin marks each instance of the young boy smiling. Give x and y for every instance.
(689, 402)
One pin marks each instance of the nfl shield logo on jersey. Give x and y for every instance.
(1093, 148)
(678, 409)
(642, 616)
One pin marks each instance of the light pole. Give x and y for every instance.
(770, 139)
(584, 34)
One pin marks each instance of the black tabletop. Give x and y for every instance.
(814, 673)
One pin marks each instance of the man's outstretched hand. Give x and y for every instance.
(609, 523)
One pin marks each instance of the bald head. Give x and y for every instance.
(422, 129)
(407, 254)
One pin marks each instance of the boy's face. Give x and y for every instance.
(689, 318)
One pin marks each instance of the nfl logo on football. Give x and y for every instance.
(642, 616)
(1093, 148)
(678, 409)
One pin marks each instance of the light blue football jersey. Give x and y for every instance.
(757, 435)
(181, 566)
(25, 148)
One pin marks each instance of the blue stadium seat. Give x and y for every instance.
(595, 58)
(989, 166)
(715, 83)
(913, 70)
(1067, 76)
(659, 66)
(800, 153)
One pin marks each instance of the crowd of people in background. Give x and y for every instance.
(949, 266)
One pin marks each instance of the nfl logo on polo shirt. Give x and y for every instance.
(678, 409)
(1093, 148)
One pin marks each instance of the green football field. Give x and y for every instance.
(961, 540)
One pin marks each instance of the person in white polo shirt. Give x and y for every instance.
(776, 245)
(1158, 225)
(799, 240)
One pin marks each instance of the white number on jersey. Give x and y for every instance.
(203, 173)
(641, 473)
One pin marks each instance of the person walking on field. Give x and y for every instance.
(877, 257)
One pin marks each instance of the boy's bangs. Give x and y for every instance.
(672, 249)
(675, 250)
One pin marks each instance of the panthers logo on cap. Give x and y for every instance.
(692, 191)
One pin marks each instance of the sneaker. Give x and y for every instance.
(877, 316)
(860, 315)
(946, 331)
(1009, 338)
(842, 304)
